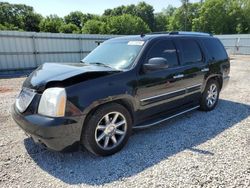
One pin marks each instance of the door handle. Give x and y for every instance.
(205, 70)
(178, 76)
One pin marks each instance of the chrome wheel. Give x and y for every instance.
(111, 130)
(212, 94)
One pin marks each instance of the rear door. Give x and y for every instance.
(193, 66)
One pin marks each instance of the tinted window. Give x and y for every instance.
(215, 48)
(190, 51)
(165, 49)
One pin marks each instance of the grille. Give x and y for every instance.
(24, 99)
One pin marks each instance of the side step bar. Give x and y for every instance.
(165, 119)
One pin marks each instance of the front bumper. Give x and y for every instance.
(225, 82)
(57, 134)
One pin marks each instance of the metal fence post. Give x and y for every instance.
(80, 48)
(35, 49)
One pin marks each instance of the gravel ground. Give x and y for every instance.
(196, 150)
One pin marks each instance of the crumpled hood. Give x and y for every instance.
(59, 72)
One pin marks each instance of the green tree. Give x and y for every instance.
(69, 28)
(87, 17)
(7, 26)
(182, 20)
(246, 10)
(75, 18)
(161, 22)
(185, 11)
(108, 12)
(142, 10)
(32, 21)
(93, 27)
(162, 19)
(3, 27)
(146, 13)
(51, 24)
(79, 19)
(223, 17)
(213, 17)
(126, 24)
(117, 11)
(236, 19)
(19, 17)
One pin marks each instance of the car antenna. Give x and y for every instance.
(142, 35)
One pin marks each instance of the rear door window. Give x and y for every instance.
(190, 51)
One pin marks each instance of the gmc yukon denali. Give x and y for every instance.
(125, 83)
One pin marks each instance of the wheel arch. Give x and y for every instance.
(126, 102)
(217, 77)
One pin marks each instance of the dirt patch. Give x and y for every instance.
(240, 57)
(5, 90)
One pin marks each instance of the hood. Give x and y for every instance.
(64, 74)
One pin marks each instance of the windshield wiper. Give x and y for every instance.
(103, 64)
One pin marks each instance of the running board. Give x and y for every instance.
(165, 119)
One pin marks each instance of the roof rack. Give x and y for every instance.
(159, 32)
(181, 33)
(189, 33)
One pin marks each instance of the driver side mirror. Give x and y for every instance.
(155, 63)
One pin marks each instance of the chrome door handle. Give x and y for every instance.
(205, 70)
(178, 76)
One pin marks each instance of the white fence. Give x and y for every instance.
(236, 44)
(28, 50)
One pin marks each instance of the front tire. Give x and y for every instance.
(210, 95)
(107, 130)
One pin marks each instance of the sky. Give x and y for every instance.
(64, 7)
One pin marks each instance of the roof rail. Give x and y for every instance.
(181, 33)
(189, 33)
(158, 32)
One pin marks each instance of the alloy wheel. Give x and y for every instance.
(212, 94)
(111, 130)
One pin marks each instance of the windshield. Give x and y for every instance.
(118, 55)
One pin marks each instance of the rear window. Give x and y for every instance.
(215, 48)
(190, 51)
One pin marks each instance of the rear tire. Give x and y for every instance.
(210, 95)
(107, 130)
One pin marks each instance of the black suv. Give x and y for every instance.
(126, 82)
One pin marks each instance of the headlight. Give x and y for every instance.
(53, 102)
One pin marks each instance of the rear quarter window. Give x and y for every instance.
(215, 48)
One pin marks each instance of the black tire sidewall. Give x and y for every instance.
(88, 136)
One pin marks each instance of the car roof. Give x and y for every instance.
(146, 37)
